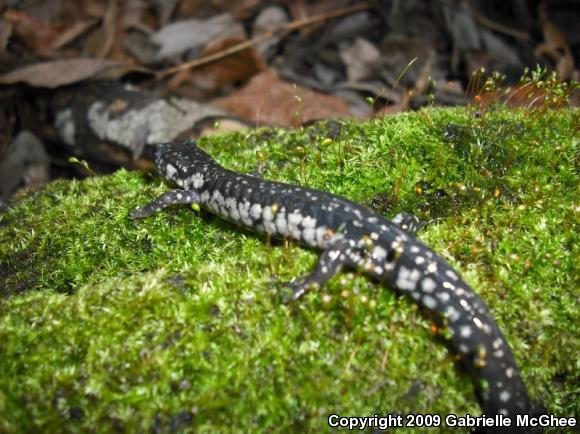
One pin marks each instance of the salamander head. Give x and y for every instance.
(182, 163)
(174, 154)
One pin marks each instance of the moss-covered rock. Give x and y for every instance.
(174, 322)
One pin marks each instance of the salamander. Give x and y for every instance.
(350, 235)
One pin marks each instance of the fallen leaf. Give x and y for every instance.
(216, 76)
(176, 38)
(268, 100)
(397, 67)
(164, 9)
(37, 34)
(5, 33)
(73, 32)
(212, 125)
(109, 28)
(554, 45)
(269, 20)
(63, 72)
(360, 59)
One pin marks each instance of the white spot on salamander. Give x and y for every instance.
(235, 214)
(217, 199)
(231, 202)
(379, 252)
(334, 254)
(451, 274)
(197, 180)
(428, 284)
(397, 246)
(244, 208)
(281, 223)
(449, 285)
(308, 222)
(256, 211)
(269, 226)
(267, 214)
(295, 218)
(477, 322)
(321, 233)
(452, 313)
(429, 302)
(407, 279)
(309, 236)
(170, 170)
(504, 396)
(465, 331)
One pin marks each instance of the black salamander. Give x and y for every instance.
(350, 235)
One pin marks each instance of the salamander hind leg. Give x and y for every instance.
(330, 263)
(169, 198)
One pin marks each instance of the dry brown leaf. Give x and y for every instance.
(196, 8)
(554, 45)
(360, 59)
(5, 33)
(135, 15)
(180, 36)
(38, 35)
(109, 28)
(73, 32)
(244, 9)
(213, 77)
(213, 125)
(63, 72)
(270, 19)
(268, 100)
(300, 10)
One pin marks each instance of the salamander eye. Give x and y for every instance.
(391, 255)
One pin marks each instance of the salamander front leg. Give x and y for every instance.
(330, 262)
(408, 222)
(170, 198)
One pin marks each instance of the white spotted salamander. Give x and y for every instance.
(352, 236)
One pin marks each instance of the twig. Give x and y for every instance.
(500, 28)
(517, 34)
(291, 26)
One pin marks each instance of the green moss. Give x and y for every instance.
(174, 322)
